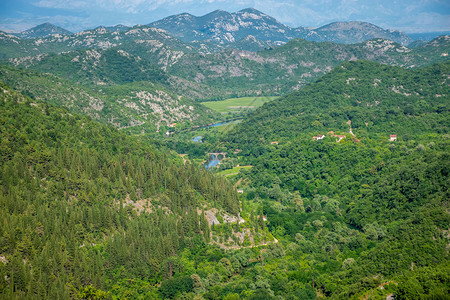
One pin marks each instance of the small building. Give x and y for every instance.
(340, 137)
(240, 191)
(392, 138)
(263, 217)
(173, 125)
(319, 137)
(237, 151)
(274, 143)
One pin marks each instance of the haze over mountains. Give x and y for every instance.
(223, 28)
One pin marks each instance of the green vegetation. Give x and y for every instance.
(93, 67)
(143, 53)
(364, 211)
(138, 107)
(233, 171)
(93, 212)
(72, 227)
(374, 100)
(238, 105)
(280, 70)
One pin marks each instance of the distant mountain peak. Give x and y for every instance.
(357, 31)
(217, 12)
(339, 25)
(224, 28)
(117, 28)
(251, 10)
(43, 30)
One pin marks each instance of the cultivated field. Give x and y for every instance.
(237, 105)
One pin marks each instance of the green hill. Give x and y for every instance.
(360, 212)
(96, 67)
(378, 100)
(73, 195)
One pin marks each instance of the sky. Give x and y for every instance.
(76, 15)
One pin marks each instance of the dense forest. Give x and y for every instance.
(66, 229)
(360, 210)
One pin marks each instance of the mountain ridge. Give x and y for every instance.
(43, 30)
(225, 27)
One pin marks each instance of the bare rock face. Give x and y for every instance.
(224, 28)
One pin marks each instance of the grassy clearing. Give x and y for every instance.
(236, 105)
(233, 171)
(228, 127)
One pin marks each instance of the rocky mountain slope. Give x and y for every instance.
(223, 27)
(137, 37)
(282, 69)
(95, 67)
(225, 73)
(142, 107)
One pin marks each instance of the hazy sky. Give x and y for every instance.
(76, 15)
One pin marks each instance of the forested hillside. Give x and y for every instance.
(280, 70)
(362, 211)
(373, 100)
(202, 70)
(68, 228)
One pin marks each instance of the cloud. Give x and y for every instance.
(133, 6)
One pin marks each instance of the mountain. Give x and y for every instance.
(285, 68)
(98, 67)
(356, 32)
(368, 94)
(13, 46)
(204, 69)
(355, 162)
(90, 196)
(118, 27)
(437, 48)
(223, 27)
(141, 39)
(43, 30)
(139, 107)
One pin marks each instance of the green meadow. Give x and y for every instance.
(233, 171)
(237, 105)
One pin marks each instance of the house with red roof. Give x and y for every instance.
(319, 137)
